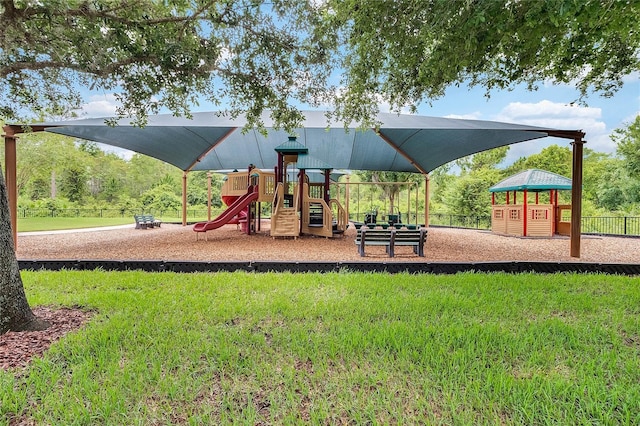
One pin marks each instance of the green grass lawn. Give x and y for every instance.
(29, 224)
(356, 348)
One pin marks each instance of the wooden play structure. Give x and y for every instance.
(302, 207)
(523, 218)
(242, 192)
(298, 206)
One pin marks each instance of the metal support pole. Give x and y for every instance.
(184, 198)
(426, 201)
(407, 219)
(327, 181)
(554, 212)
(346, 192)
(526, 216)
(209, 196)
(576, 197)
(303, 210)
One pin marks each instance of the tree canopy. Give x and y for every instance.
(628, 142)
(248, 55)
(409, 51)
(346, 55)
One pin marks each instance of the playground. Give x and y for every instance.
(227, 243)
(270, 169)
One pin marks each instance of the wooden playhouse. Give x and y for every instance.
(523, 215)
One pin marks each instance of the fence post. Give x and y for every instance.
(625, 225)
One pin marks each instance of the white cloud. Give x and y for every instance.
(99, 106)
(547, 110)
(556, 116)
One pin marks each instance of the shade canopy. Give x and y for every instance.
(212, 141)
(532, 180)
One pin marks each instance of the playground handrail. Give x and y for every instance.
(278, 195)
(235, 185)
(341, 216)
(327, 215)
(296, 198)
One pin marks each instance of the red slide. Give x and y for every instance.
(227, 215)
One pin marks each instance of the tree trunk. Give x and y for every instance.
(392, 201)
(15, 313)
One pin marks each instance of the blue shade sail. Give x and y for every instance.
(211, 141)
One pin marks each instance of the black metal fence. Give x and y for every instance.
(460, 221)
(626, 225)
(599, 225)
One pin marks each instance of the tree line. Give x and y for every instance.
(56, 172)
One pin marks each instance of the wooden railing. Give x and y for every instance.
(238, 182)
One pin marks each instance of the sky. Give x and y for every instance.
(549, 106)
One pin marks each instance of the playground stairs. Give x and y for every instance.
(284, 218)
(285, 223)
(318, 217)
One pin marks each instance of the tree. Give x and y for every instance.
(198, 189)
(469, 194)
(143, 172)
(43, 155)
(409, 51)
(249, 55)
(485, 159)
(628, 146)
(554, 159)
(107, 176)
(257, 55)
(440, 179)
(161, 197)
(15, 313)
(391, 183)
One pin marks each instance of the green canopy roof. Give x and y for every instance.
(306, 162)
(532, 180)
(213, 141)
(292, 146)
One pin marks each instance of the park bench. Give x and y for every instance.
(390, 238)
(155, 223)
(144, 221)
(141, 222)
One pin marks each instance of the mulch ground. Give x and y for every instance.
(18, 348)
